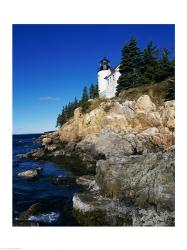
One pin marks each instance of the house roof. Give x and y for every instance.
(112, 70)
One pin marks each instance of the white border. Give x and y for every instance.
(82, 11)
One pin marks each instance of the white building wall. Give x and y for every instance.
(102, 82)
(107, 87)
(109, 90)
(112, 84)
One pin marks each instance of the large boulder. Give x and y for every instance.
(109, 143)
(126, 108)
(93, 209)
(144, 103)
(141, 178)
(168, 114)
(81, 125)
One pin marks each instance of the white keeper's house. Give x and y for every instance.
(107, 79)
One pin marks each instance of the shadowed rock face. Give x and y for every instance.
(94, 210)
(91, 208)
(143, 179)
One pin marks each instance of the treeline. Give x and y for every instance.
(68, 110)
(141, 67)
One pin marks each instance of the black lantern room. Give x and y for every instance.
(104, 64)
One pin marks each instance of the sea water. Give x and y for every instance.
(56, 200)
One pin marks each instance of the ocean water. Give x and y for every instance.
(56, 200)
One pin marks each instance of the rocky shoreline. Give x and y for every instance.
(125, 153)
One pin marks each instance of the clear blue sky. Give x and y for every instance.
(52, 64)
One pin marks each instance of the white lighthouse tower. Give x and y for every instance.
(103, 72)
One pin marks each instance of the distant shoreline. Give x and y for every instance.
(30, 134)
(36, 133)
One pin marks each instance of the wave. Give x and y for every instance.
(46, 218)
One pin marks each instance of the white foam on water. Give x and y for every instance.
(46, 218)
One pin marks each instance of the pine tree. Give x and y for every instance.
(59, 120)
(92, 91)
(165, 67)
(84, 95)
(172, 68)
(84, 100)
(150, 63)
(96, 91)
(75, 102)
(130, 67)
(171, 91)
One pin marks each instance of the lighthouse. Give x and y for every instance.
(107, 79)
(103, 72)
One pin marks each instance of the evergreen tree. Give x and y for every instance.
(59, 120)
(84, 100)
(92, 91)
(96, 91)
(172, 68)
(84, 95)
(75, 102)
(171, 91)
(130, 67)
(150, 63)
(67, 112)
(165, 68)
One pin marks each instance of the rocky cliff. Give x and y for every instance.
(129, 147)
